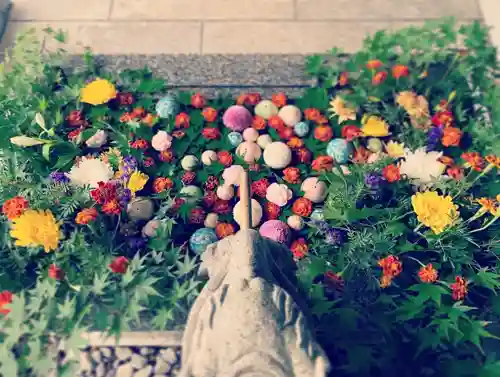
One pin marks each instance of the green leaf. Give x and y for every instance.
(46, 151)
(8, 363)
(487, 279)
(151, 85)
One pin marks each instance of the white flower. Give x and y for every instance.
(232, 175)
(422, 167)
(161, 141)
(279, 194)
(97, 140)
(90, 171)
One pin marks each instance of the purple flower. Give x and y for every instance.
(373, 180)
(58, 177)
(333, 237)
(124, 196)
(137, 243)
(433, 138)
(321, 225)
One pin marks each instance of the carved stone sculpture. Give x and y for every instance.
(247, 321)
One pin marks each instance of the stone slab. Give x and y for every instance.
(202, 10)
(136, 339)
(491, 12)
(57, 10)
(357, 10)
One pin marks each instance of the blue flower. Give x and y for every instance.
(58, 177)
(373, 180)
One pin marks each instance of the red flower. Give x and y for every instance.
(295, 142)
(302, 207)
(448, 161)
(323, 133)
(443, 118)
(379, 78)
(322, 120)
(285, 133)
(119, 265)
(138, 112)
(126, 117)
(373, 64)
(225, 158)
(221, 207)
(198, 101)
(276, 122)
(391, 173)
(139, 144)
(209, 198)
(242, 98)
(312, 114)
(75, 133)
(343, 79)
(291, 175)
(428, 274)
(178, 134)
(212, 182)
(125, 99)
(474, 160)
(104, 192)
(253, 99)
(86, 215)
(210, 114)
(112, 207)
(161, 184)
(455, 172)
(182, 120)
(459, 288)
(55, 272)
(260, 187)
(13, 208)
(5, 299)
(223, 230)
(400, 70)
(303, 155)
(391, 266)
(299, 248)
(167, 156)
(148, 162)
(322, 163)
(188, 177)
(178, 202)
(272, 210)
(210, 133)
(451, 137)
(259, 123)
(351, 132)
(197, 215)
(75, 118)
(279, 99)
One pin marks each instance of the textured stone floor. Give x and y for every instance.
(228, 26)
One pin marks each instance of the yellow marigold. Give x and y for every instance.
(339, 108)
(98, 92)
(435, 211)
(487, 205)
(395, 150)
(36, 228)
(374, 126)
(137, 181)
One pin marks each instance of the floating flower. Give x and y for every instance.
(197, 215)
(303, 155)
(299, 248)
(374, 126)
(373, 64)
(351, 132)
(182, 120)
(211, 133)
(422, 167)
(276, 122)
(140, 144)
(394, 149)
(417, 108)
(225, 158)
(285, 133)
(339, 108)
(322, 163)
(379, 77)
(279, 99)
(272, 210)
(451, 137)
(259, 123)
(167, 156)
(211, 182)
(400, 70)
(428, 274)
(279, 194)
(323, 133)
(178, 134)
(161, 184)
(443, 118)
(188, 177)
(86, 215)
(391, 173)
(435, 211)
(137, 181)
(13, 208)
(125, 99)
(36, 228)
(302, 207)
(291, 175)
(459, 288)
(260, 187)
(55, 272)
(90, 171)
(119, 265)
(295, 142)
(98, 92)
(198, 101)
(111, 207)
(161, 141)
(253, 99)
(223, 230)
(209, 114)
(221, 207)
(312, 114)
(5, 299)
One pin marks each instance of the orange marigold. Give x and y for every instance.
(161, 184)
(259, 123)
(385, 281)
(312, 114)
(323, 133)
(276, 122)
(182, 120)
(322, 163)
(428, 274)
(279, 99)
(400, 70)
(292, 175)
(391, 173)
(451, 137)
(494, 160)
(295, 142)
(302, 207)
(223, 230)
(210, 114)
(473, 160)
(299, 248)
(13, 208)
(86, 215)
(391, 266)
(379, 78)
(373, 64)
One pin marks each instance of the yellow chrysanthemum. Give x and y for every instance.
(36, 228)
(435, 211)
(374, 126)
(113, 157)
(98, 92)
(395, 150)
(339, 108)
(137, 181)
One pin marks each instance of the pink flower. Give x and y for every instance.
(279, 194)
(161, 141)
(97, 140)
(232, 175)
